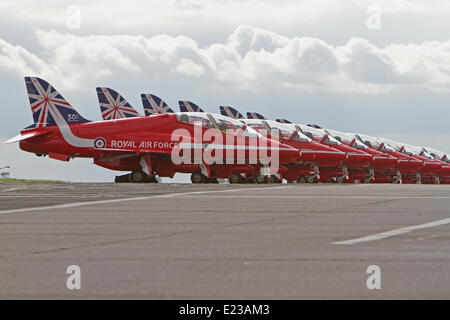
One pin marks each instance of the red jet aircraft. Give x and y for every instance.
(325, 161)
(147, 145)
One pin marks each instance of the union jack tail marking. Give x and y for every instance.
(47, 104)
(231, 112)
(283, 121)
(154, 105)
(188, 106)
(113, 105)
(255, 115)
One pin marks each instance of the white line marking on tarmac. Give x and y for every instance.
(342, 197)
(170, 195)
(395, 232)
(11, 189)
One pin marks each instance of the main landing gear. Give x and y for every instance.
(198, 177)
(234, 178)
(137, 176)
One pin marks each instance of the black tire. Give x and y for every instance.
(137, 176)
(197, 177)
(260, 179)
(234, 178)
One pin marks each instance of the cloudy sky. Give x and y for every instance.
(329, 62)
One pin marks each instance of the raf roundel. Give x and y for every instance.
(99, 143)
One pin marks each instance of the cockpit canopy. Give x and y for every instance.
(436, 154)
(216, 121)
(287, 130)
(277, 129)
(418, 151)
(347, 139)
(319, 135)
(375, 143)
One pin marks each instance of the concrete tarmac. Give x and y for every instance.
(164, 241)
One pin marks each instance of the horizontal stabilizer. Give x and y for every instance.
(26, 136)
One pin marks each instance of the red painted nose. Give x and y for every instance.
(359, 157)
(317, 152)
(355, 156)
(384, 162)
(409, 163)
(287, 153)
(445, 170)
(431, 166)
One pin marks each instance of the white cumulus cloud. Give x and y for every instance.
(250, 58)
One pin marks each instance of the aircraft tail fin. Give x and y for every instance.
(255, 115)
(154, 105)
(188, 106)
(48, 106)
(113, 105)
(283, 121)
(230, 112)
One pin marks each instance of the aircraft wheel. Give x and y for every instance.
(340, 179)
(260, 178)
(234, 178)
(301, 179)
(312, 179)
(137, 176)
(197, 177)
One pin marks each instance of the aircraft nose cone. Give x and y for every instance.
(359, 157)
(287, 153)
(432, 165)
(324, 153)
(385, 161)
